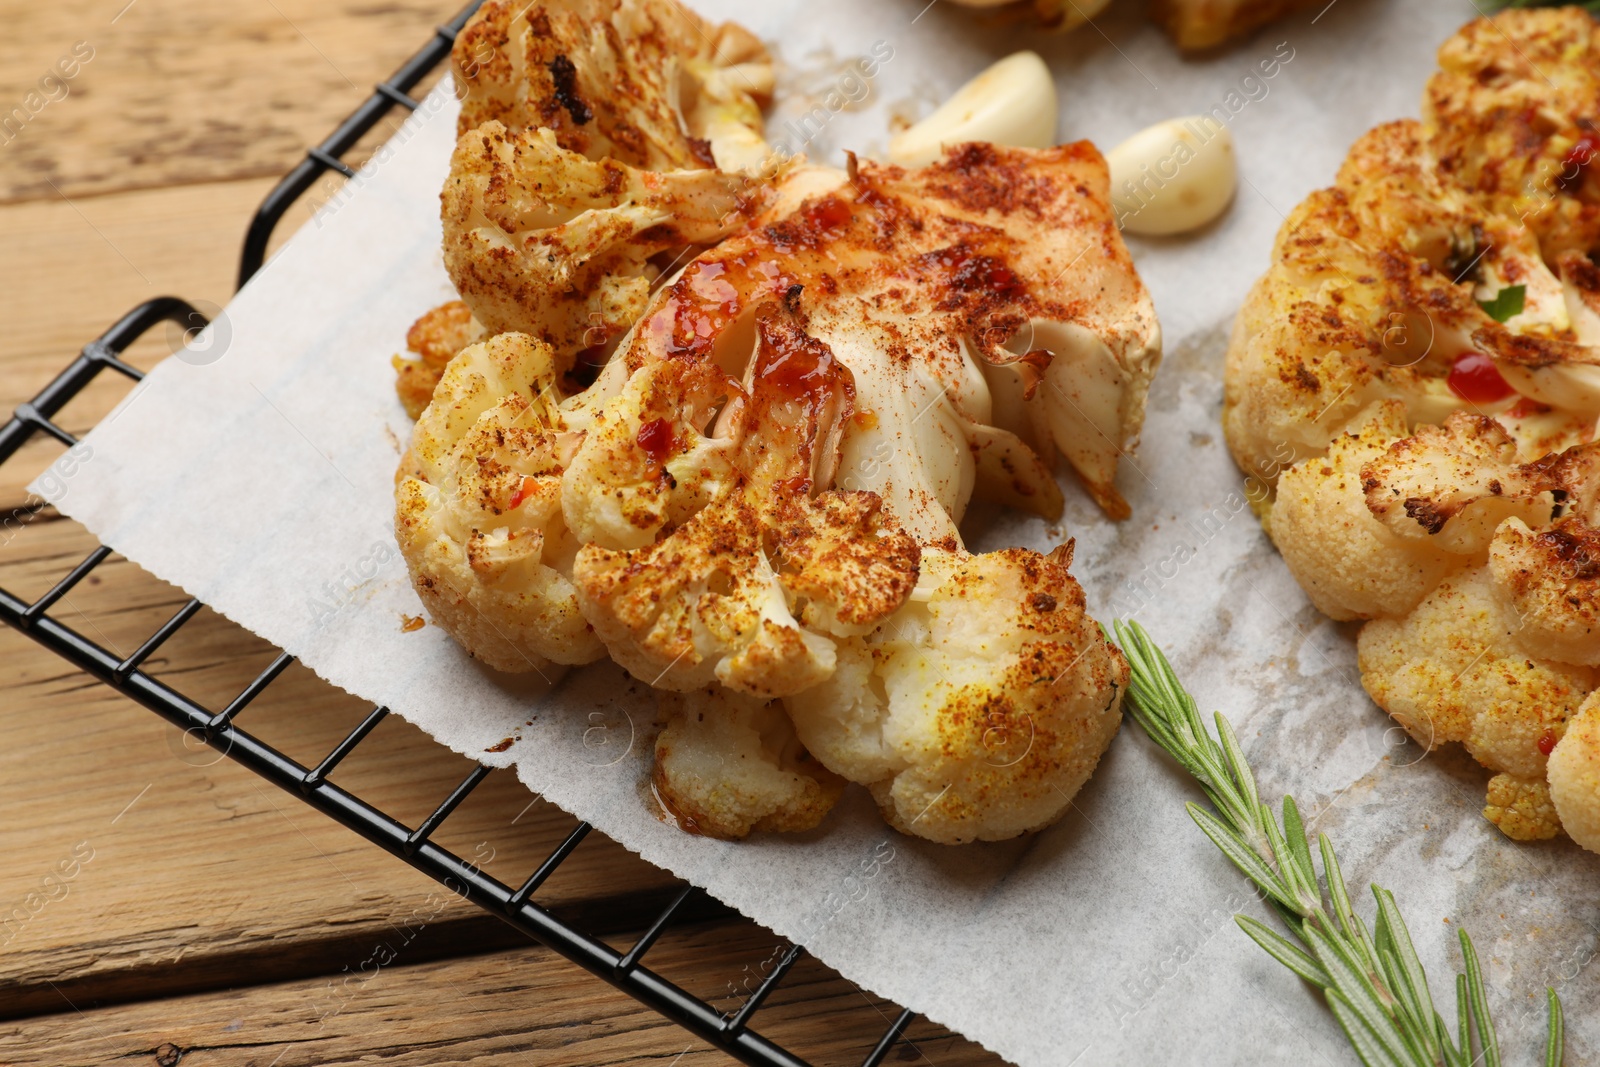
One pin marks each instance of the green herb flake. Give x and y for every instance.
(1507, 303)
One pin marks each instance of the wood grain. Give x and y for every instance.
(180, 92)
(520, 1007)
(212, 874)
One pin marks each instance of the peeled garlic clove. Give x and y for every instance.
(1174, 176)
(1011, 103)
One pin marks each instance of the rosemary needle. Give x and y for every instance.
(1373, 983)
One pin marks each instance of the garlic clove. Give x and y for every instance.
(1011, 103)
(1174, 176)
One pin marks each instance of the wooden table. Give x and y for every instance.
(177, 908)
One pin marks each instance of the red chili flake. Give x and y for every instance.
(1527, 406)
(971, 271)
(655, 437)
(1475, 378)
(1547, 742)
(1576, 163)
(524, 487)
(827, 213)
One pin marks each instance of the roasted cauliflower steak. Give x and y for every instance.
(804, 376)
(1425, 350)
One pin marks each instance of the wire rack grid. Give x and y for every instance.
(730, 1031)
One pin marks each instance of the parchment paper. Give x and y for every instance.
(254, 471)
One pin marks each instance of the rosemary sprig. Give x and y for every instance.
(1372, 982)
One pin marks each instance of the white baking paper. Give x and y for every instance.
(254, 471)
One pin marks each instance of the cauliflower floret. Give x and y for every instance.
(728, 764)
(1521, 808)
(702, 546)
(1575, 775)
(1451, 671)
(478, 510)
(1459, 487)
(1550, 580)
(707, 603)
(646, 82)
(1453, 485)
(1373, 295)
(542, 240)
(435, 338)
(981, 707)
(1347, 562)
(645, 461)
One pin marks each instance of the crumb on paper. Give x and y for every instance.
(502, 745)
(388, 431)
(410, 624)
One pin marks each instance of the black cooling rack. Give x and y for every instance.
(728, 1031)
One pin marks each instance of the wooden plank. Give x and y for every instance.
(210, 876)
(517, 1007)
(176, 92)
(139, 862)
(174, 899)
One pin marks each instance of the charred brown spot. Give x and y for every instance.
(700, 148)
(1427, 514)
(1466, 253)
(1581, 552)
(660, 233)
(564, 79)
(1583, 273)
